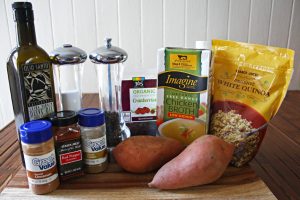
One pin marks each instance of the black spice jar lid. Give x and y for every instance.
(63, 118)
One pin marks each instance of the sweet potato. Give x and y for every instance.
(140, 154)
(202, 162)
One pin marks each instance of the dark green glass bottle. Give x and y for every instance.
(29, 71)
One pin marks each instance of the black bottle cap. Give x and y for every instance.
(63, 118)
(22, 11)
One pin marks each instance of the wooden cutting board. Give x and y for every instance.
(114, 183)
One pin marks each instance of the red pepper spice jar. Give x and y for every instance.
(68, 147)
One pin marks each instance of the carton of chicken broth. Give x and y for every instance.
(182, 96)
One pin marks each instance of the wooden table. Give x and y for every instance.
(114, 183)
(277, 164)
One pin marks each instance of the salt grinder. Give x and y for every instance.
(68, 68)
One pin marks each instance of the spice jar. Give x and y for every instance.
(109, 67)
(66, 134)
(68, 68)
(39, 155)
(93, 137)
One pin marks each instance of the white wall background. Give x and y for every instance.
(142, 26)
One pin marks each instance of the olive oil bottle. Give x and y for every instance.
(29, 71)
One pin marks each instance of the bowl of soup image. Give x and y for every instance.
(183, 130)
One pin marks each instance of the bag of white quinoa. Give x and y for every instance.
(249, 83)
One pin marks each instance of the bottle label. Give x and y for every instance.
(41, 169)
(38, 90)
(95, 151)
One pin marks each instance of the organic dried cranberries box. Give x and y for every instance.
(139, 105)
(182, 96)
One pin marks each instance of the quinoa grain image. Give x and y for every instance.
(232, 128)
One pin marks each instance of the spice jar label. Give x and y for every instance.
(95, 150)
(41, 169)
(69, 158)
(94, 145)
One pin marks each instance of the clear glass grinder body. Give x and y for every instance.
(109, 68)
(68, 70)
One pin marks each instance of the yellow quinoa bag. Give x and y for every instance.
(249, 83)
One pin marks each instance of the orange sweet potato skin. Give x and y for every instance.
(202, 162)
(141, 154)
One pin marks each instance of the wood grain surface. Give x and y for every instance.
(277, 164)
(114, 183)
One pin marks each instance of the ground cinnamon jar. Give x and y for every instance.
(39, 155)
(66, 133)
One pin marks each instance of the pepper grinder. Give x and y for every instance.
(109, 67)
(68, 68)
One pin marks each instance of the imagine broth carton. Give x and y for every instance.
(183, 93)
